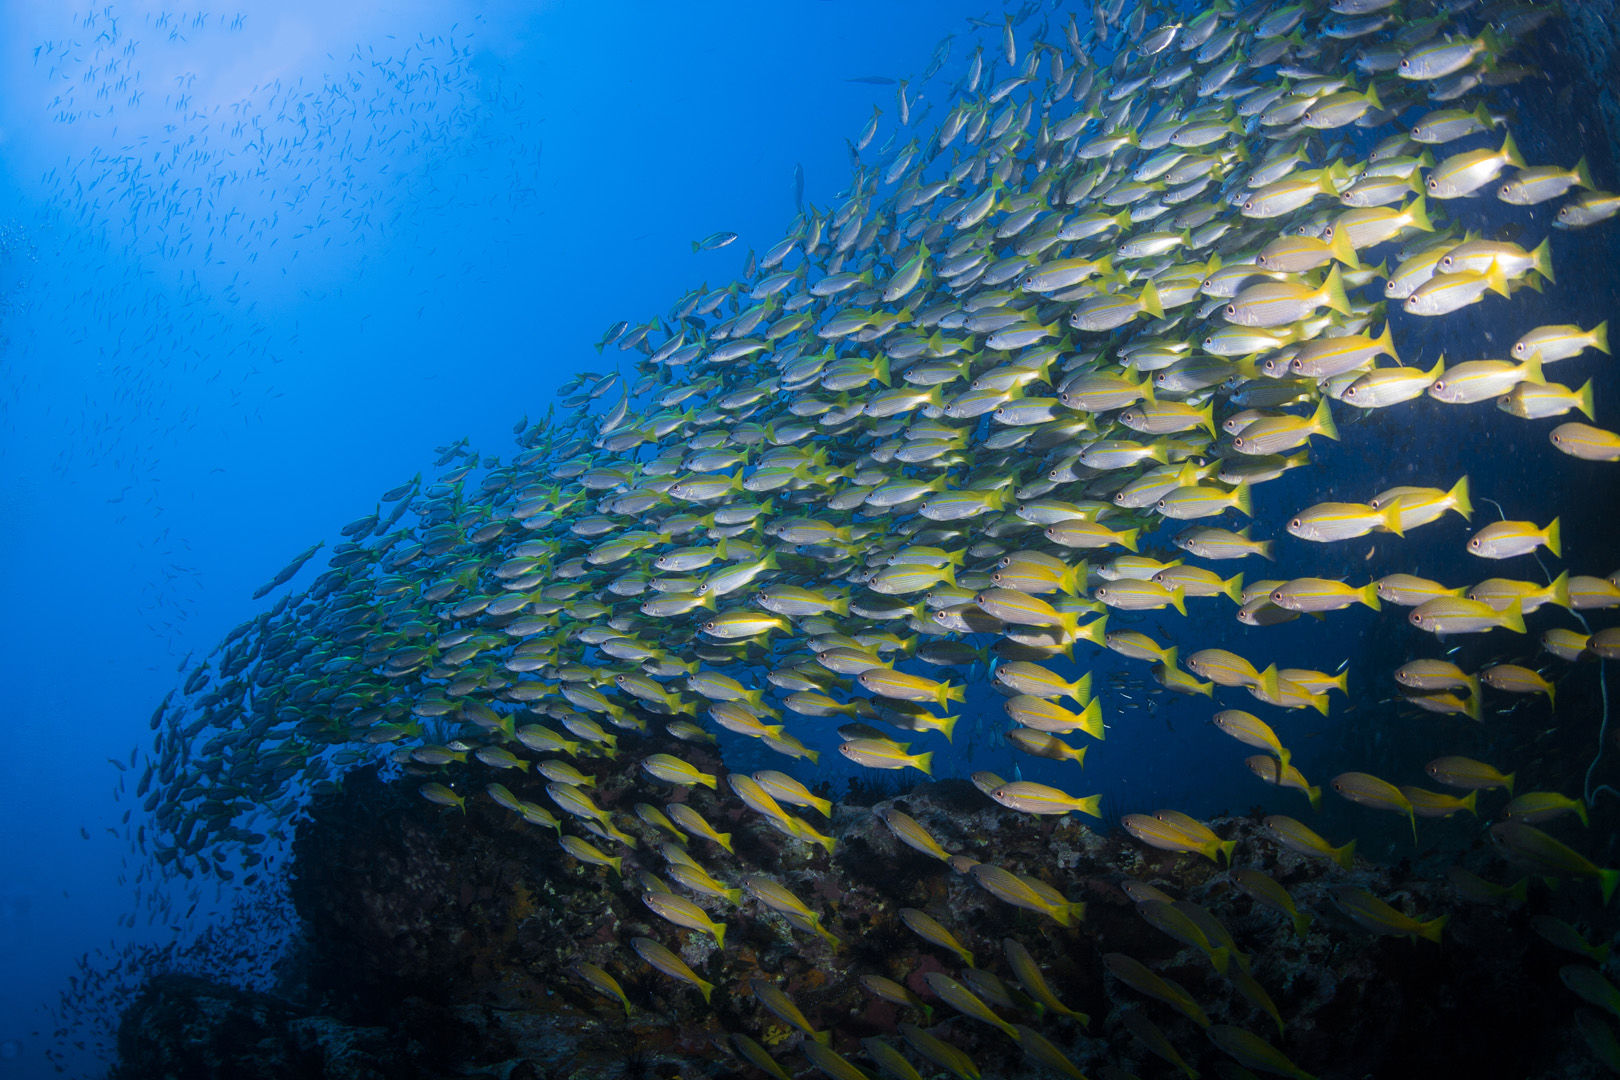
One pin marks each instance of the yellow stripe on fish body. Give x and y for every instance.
(940, 1052)
(601, 981)
(1225, 668)
(1379, 917)
(1131, 595)
(1561, 342)
(887, 682)
(683, 912)
(1369, 226)
(1504, 539)
(1033, 798)
(1254, 1052)
(1586, 442)
(1267, 891)
(1142, 979)
(1198, 582)
(1197, 831)
(670, 964)
(1180, 682)
(1028, 576)
(696, 825)
(1034, 982)
(703, 883)
(757, 1056)
(736, 625)
(1477, 380)
(1408, 590)
(563, 773)
(1384, 387)
(1171, 920)
(1459, 615)
(776, 896)
(585, 853)
(1274, 772)
(930, 929)
(1278, 435)
(1045, 714)
(739, 719)
(1445, 293)
(1165, 836)
(1368, 790)
(895, 994)
(1301, 839)
(576, 802)
(1078, 533)
(1026, 893)
(1279, 303)
(1251, 731)
(884, 754)
(1024, 609)
(1190, 503)
(1515, 679)
(1537, 401)
(1331, 521)
(1138, 646)
(1531, 847)
(1025, 677)
(912, 834)
(673, 770)
(1419, 505)
(773, 998)
(965, 1001)
(786, 789)
(1465, 173)
(1324, 594)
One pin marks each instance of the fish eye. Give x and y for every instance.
(1231, 309)
(1296, 523)
(1473, 544)
(1248, 204)
(1406, 65)
(1416, 131)
(1439, 384)
(1434, 185)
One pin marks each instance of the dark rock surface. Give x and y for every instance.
(438, 944)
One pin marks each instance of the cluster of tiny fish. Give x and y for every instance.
(1140, 264)
(262, 185)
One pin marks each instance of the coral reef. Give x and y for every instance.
(441, 944)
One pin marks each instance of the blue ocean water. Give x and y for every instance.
(262, 264)
(260, 261)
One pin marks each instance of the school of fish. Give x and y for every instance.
(1138, 264)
